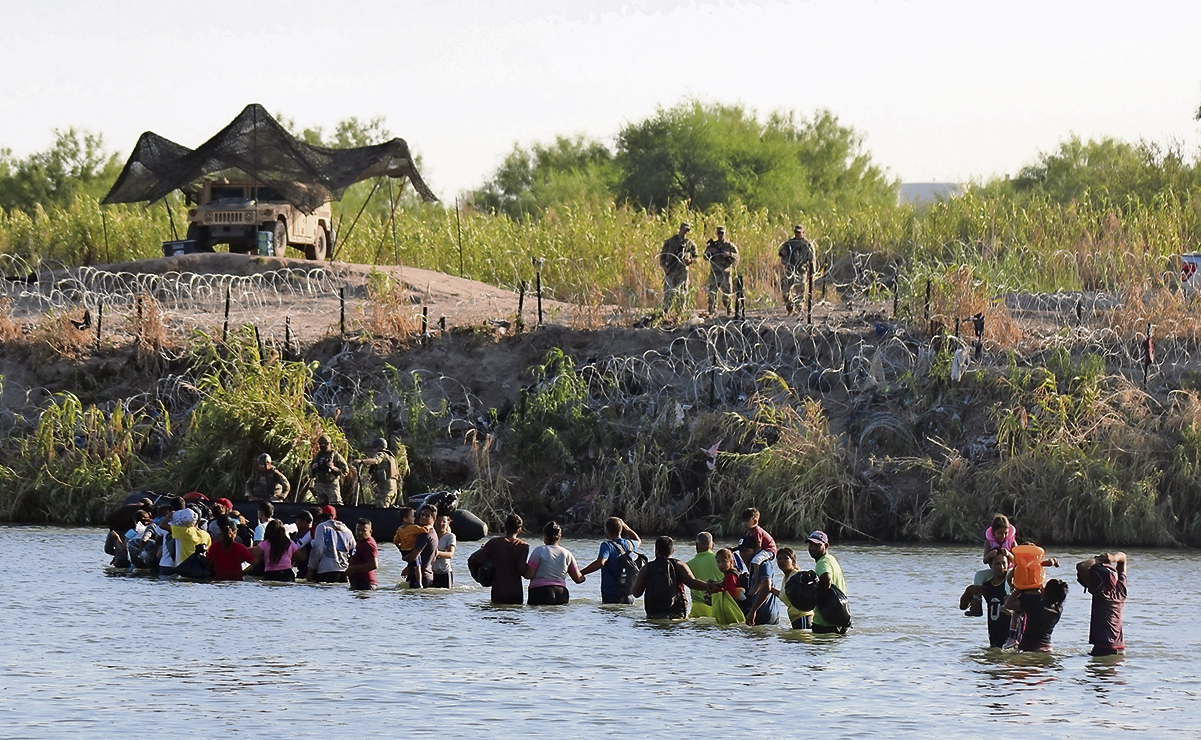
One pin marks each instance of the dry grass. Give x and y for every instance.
(962, 294)
(388, 312)
(1165, 309)
(148, 325)
(489, 496)
(55, 338)
(10, 328)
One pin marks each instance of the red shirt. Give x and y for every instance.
(364, 552)
(758, 537)
(227, 563)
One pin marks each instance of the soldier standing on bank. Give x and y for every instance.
(266, 483)
(327, 469)
(797, 260)
(723, 258)
(387, 472)
(677, 254)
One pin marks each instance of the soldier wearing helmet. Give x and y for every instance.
(677, 254)
(386, 471)
(326, 469)
(266, 483)
(722, 255)
(797, 260)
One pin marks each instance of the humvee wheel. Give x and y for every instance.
(316, 250)
(200, 235)
(280, 248)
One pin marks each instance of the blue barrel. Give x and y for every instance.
(266, 242)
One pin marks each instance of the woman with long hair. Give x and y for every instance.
(275, 553)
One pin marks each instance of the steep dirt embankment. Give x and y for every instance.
(852, 422)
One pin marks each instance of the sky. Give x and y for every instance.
(940, 91)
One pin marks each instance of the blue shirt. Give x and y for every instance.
(611, 552)
(768, 613)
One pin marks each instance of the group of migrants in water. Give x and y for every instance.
(1024, 606)
(189, 538)
(754, 582)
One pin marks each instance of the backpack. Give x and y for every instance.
(335, 549)
(482, 570)
(832, 607)
(744, 582)
(663, 594)
(801, 590)
(196, 566)
(386, 470)
(629, 562)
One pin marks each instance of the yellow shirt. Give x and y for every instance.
(188, 538)
(406, 537)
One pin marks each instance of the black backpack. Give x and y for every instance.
(629, 562)
(196, 566)
(482, 570)
(801, 590)
(833, 608)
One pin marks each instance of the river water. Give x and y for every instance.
(87, 653)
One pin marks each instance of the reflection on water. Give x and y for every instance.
(87, 651)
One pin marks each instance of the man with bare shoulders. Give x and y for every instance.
(1104, 576)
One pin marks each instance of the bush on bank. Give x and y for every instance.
(1081, 456)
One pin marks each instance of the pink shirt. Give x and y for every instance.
(284, 562)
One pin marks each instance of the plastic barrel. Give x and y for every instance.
(467, 526)
(1027, 567)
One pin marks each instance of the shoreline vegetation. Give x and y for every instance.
(1080, 418)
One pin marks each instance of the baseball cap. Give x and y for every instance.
(329, 511)
(819, 537)
(229, 505)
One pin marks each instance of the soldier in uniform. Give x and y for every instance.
(327, 468)
(723, 258)
(386, 471)
(677, 254)
(266, 483)
(796, 258)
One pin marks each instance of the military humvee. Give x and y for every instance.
(233, 212)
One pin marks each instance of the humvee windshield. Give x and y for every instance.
(237, 194)
(227, 193)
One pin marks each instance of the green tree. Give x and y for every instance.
(1108, 170)
(349, 132)
(531, 180)
(713, 153)
(76, 164)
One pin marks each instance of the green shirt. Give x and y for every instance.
(704, 567)
(827, 564)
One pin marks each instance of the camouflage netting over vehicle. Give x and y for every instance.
(305, 175)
